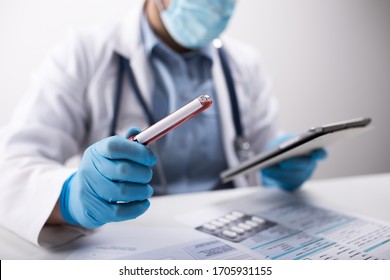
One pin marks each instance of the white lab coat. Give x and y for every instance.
(70, 106)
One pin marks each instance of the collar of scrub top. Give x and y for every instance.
(125, 68)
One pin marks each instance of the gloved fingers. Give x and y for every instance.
(122, 170)
(290, 174)
(128, 211)
(94, 212)
(319, 154)
(132, 132)
(271, 182)
(304, 161)
(116, 147)
(101, 212)
(297, 163)
(113, 192)
(287, 179)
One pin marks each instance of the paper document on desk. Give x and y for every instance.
(291, 231)
(200, 249)
(118, 240)
(294, 230)
(301, 231)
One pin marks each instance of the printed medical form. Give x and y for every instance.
(289, 231)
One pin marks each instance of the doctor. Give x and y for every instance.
(98, 84)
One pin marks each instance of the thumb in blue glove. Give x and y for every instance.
(291, 173)
(110, 185)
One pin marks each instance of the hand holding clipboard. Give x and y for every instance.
(312, 139)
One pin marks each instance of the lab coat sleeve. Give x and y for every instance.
(46, 130)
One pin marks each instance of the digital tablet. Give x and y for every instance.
(314, 138)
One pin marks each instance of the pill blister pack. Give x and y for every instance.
(235, 226)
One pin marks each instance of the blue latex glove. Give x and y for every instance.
(112, 170)
(291, 173)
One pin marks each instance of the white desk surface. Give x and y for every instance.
(367, 195)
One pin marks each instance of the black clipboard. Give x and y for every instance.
(314, 138)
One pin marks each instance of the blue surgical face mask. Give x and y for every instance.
(195, 23)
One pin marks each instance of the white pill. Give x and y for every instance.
(217, 224)
(230, 217)
(252, 223)
(210, 227)
(244, 226)
(237, 214)
(237, 230)
(229, 233)
(224, 221)
(258, 220)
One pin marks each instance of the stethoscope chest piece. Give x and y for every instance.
(242, 147)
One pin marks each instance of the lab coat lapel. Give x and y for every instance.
(130, 45)
(225, 110)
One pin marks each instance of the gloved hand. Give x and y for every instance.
(291, 173)
(112, 170)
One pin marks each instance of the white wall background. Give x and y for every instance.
(329, 59)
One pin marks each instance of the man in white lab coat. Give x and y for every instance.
(75, 101)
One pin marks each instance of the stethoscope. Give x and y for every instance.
(242, 146)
